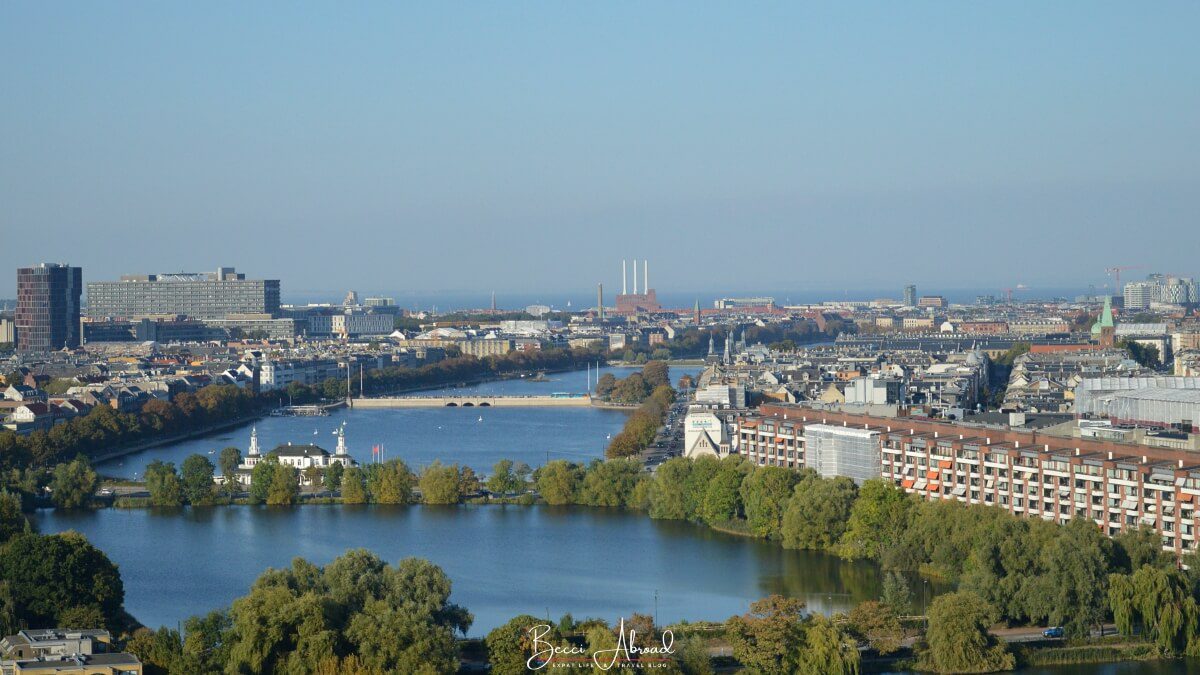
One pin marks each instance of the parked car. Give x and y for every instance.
(1053, 632)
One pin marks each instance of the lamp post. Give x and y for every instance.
(924, 592)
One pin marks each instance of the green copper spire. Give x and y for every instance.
(1105, 320)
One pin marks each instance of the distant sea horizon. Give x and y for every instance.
(453, 300)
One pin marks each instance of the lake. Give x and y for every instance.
(503, 560)
(472, 436)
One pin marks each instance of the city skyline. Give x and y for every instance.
(449, 148)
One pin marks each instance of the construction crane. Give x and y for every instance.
(1115, 273)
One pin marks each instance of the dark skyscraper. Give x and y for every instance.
(47, 315)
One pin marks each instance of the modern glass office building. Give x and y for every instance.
(47, 316)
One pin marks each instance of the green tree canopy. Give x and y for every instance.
(393, 619)
(958, 640)
(816, 514)
(197, 478)
(163, 484)
(74, 484)
(766, 639)
(559, 481)
(353, 487)
(441, 484)
(52, 575)
(285, 485)
(765, 494)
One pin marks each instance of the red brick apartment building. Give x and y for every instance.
(1119, 486)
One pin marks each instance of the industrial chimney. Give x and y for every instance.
(600, 301)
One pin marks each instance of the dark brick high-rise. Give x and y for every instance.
(47, 317)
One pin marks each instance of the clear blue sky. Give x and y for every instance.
(529, 146)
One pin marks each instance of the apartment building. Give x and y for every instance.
(1119, 486)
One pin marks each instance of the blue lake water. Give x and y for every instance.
(473, 436)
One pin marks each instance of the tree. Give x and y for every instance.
(503, 481)
(668, 497)
(896, 593)
(73, 485)
(333, 476)
(395, 483)
(197, 478)
(1146, 355)
(765, 494)
(1162, 602)
(523, 471)
(163, 484)
(285, 485)
(1137, 547)
(1076, 564)
(878, 625)
(353, 490)
(958, 640)
(160, 651)
(229, 460)
(764, 640)
(49, 576)
(510, 646)
(827, 650)
(722, 498)
(880, 511)
(9, 612)
(631, 389)
(390, 619)
(558, 482)
(817, 512)
(440, 484)
(260, 479)
(656, 374)
(206, 643)
(693, 656)
(610, 483)
(605, 384)
(12, 520)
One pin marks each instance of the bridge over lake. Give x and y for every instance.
(477, 401)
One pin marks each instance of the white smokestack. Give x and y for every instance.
(645, 276)
(624, 279)
(635, 276)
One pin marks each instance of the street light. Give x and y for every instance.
(924, 612)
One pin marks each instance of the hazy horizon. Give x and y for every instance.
(529, 148)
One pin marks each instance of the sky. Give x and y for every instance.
(529, 147)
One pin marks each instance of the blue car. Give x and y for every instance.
(1054, 632)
